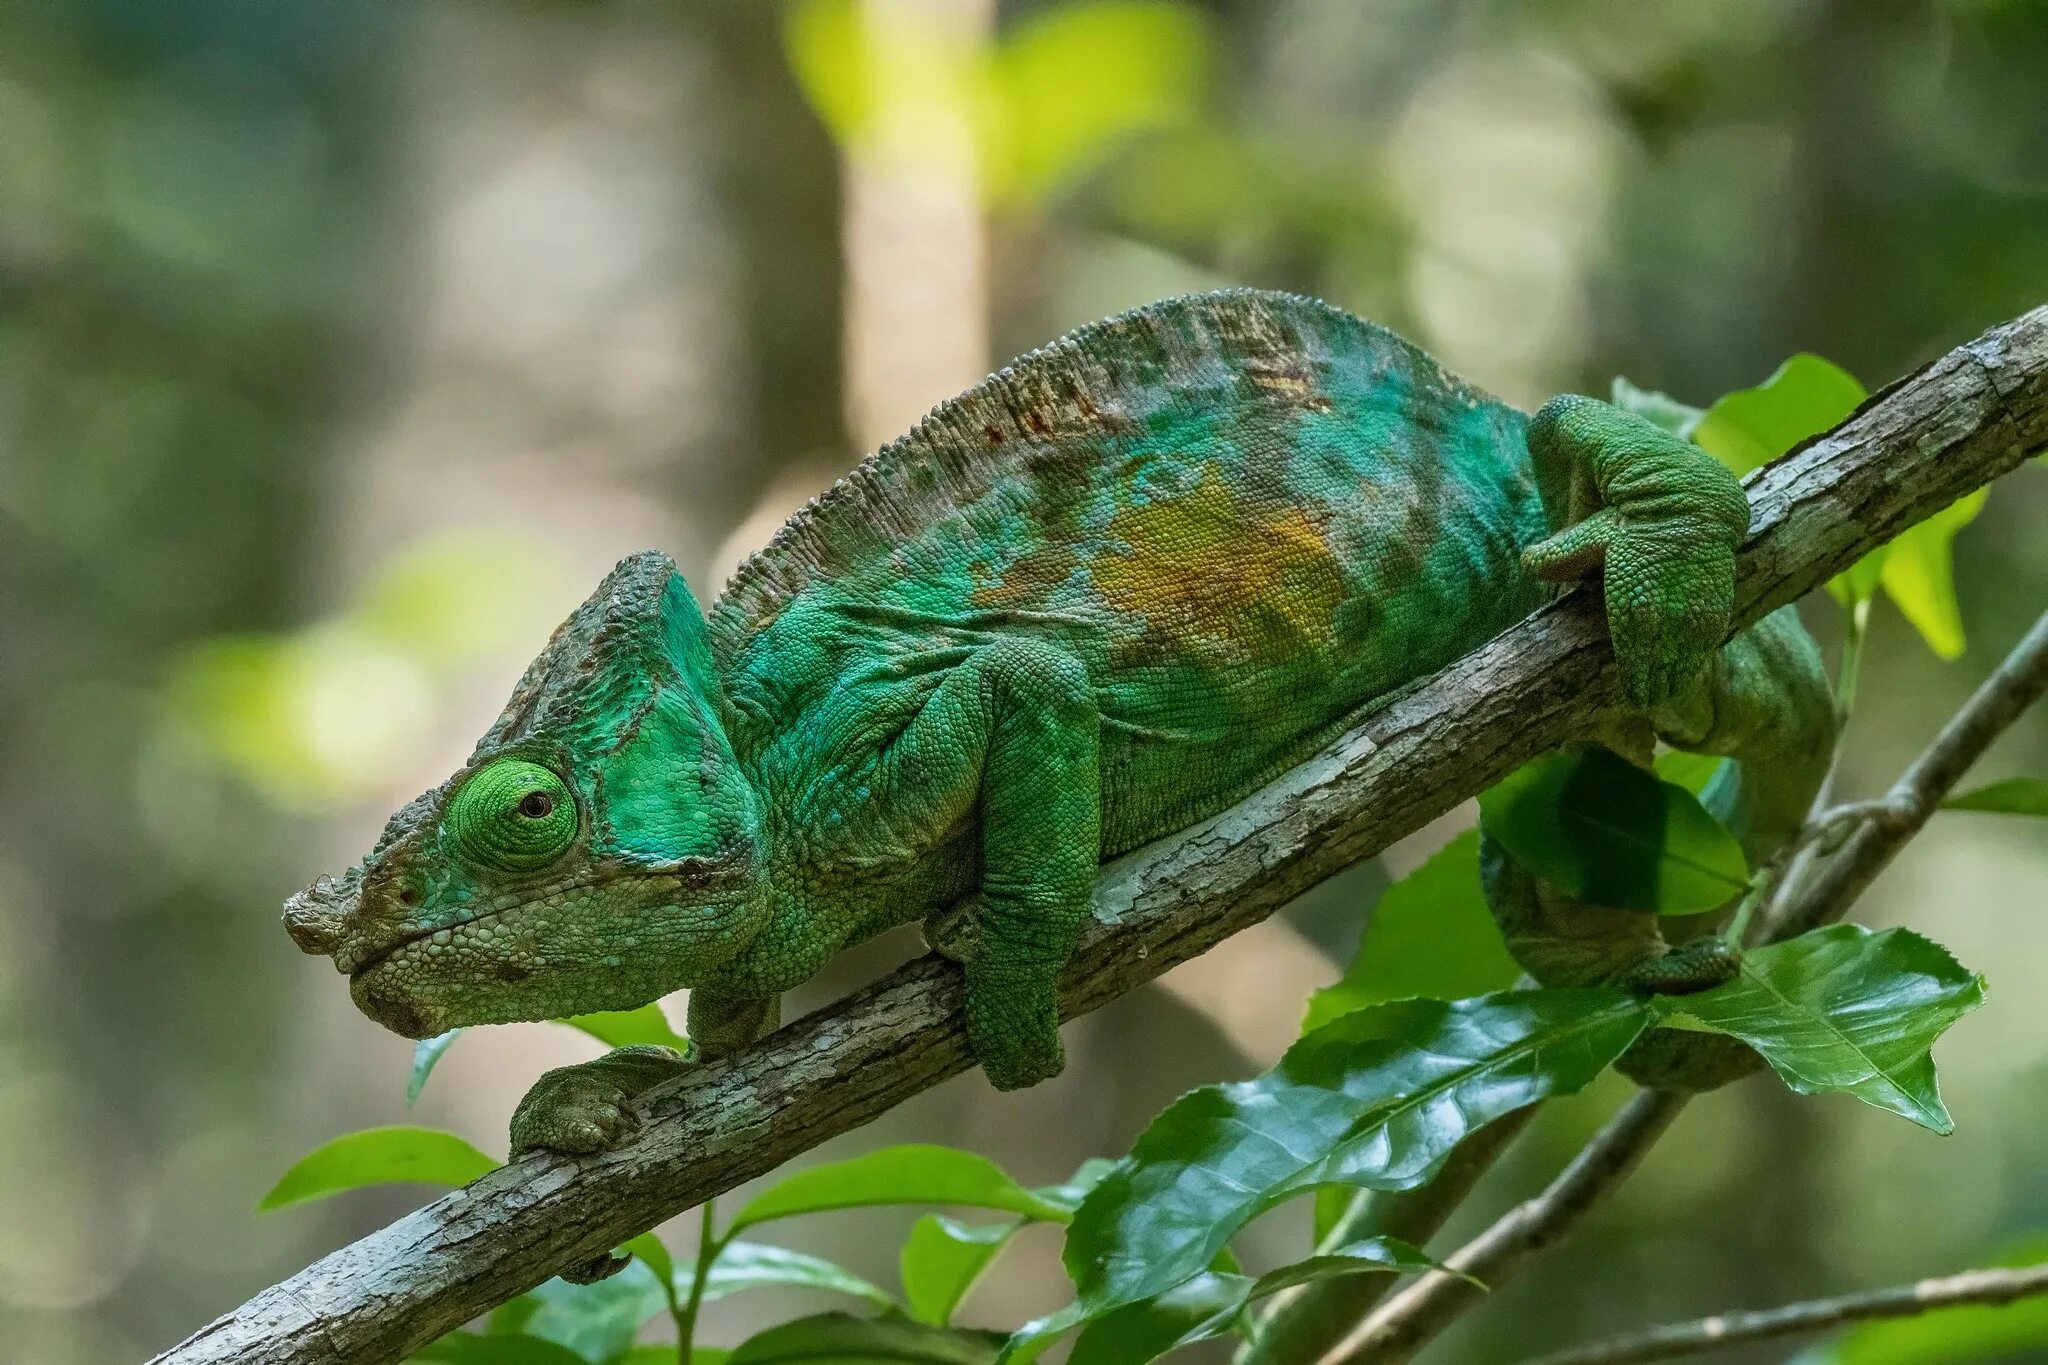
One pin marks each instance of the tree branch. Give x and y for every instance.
(1989, 1287)
(1951, 427)
(1410, 1319)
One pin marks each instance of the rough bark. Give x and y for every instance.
(1951, 427)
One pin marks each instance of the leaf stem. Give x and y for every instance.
(709, 1244)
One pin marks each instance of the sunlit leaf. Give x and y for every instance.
(2013, 796)
(1749, 428)
(756, 1265)
(665, 1354)
(624, 1028)
(1431, 934)
(1600, 829)
(1952, 1336)
(1332, 1202)
(1206, 1306)
(598, 1321)
(1074, 80)
(943, 1258)
(916, 1173)
(1918, 574)
(1680, 419)
(425, 1053)
(1694, 772)
(654, 1251)
(1843, 1008)
(1376, 1098)
(466, 1348)
(379, 1156)
(836, 1339)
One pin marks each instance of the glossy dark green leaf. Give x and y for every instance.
(1843, 1008)
(1595, 826)
(942, 1259)
(379, 1156)
(1207, 1306)
(756, 1265)
(1431, 934)
(425, 1054)
(598, 1321)
(2014, 796)
(1953, 1336)
(915, 1173)
(1680, 419)
(1376, 1098)
(836, 1339)
(624, 1028)
(465, 1348)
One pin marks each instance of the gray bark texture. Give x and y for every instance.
(1913, 448)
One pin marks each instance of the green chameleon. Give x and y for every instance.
(1099, 597)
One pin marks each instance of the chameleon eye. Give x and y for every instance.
(514, 816)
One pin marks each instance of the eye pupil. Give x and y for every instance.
(536, 805)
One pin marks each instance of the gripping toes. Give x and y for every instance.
(1013, 1026)
(588, 1108)
(1664, 535)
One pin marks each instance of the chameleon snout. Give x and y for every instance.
(318, 917)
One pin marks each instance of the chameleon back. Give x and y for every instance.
(1248, 513)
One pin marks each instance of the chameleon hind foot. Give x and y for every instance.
(1658, 518)
(1013, 1026)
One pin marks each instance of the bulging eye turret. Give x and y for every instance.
(513, 816)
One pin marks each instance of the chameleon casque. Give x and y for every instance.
(1104, 594)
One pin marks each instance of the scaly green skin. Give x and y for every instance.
(1098, 598)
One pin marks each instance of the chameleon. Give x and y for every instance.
(1103, 595)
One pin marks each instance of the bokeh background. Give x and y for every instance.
(343, 347)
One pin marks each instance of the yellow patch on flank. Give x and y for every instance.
(1212, 568)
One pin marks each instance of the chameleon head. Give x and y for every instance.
(601, 848)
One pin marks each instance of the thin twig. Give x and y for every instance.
(1986, 1287)
(1913, 449)
(1410, 1319)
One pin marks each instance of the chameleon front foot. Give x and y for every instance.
(1013, 1025)
(588, 1108)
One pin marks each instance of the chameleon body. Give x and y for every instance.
(1099, 597)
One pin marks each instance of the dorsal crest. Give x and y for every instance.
(1237, 345)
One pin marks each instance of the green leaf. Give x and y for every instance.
(836, 1339)
(1952, 1336)
(915, 1173)
(598, 1321)
(625, 1028)
(1068, 1194)
(1749, 428)
(1846, 1009)
(1694, 772)
(756, 1265)
(1206, 1306)
(665, 1354)
(379, 1156)
(2014, 796)
(654, 1251)
(425, 1053)
(1431, 934)
(942, 1259)
(1376, 1098)
(1332, 1202)
(1600, 829)
(1680, 419)
(467, 1348)
(1918, 574)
